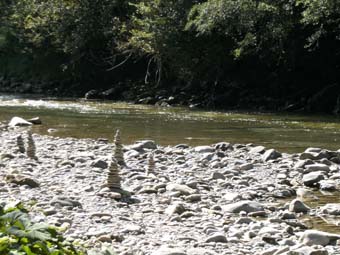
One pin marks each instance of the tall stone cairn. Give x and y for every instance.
(30, 151)
(113, 178)
(118, 149)
(20, 144)
(151, 165)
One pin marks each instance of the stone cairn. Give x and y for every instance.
(113, 178)
(30, 151)
(118, 149)
(20, 144)
(151, 165)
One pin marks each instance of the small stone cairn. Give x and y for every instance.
(118, 149)
(151, 165)
(30, 151)
(20, 144)
(113, 178)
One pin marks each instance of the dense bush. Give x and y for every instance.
(20, 236)
(264, 48)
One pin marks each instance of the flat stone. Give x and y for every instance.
(204, 149)
(257, 149)
(65, 201)
(183, 189)
(17, 121)
(313, 178)
(316, 167)
(246, 166)
(35, 121)
(306, 250)
(216, 238)
(193, 198)
(246, 206)
(145, 144)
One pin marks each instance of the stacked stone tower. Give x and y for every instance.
(118, 149)
(20, 144)
(113, 178)
(151, 165)
(31, 150)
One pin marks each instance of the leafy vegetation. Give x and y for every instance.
(20, 236)
(224, 53)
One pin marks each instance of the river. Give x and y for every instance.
(171, 126)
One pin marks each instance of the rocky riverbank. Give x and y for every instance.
(218, 199)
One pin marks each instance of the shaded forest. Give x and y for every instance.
(218, 54)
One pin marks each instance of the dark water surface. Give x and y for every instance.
(170, 126)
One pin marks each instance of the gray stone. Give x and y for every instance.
(246, 166)
(246, 206)
(100, 164)
(316, 167)
(22, 180)
(306, 250)
(17, 121)
(314, 237)
(313, 178)
(177, 208)
(217, 176)
(223, 146)
(271, 154)
(147, 144)
(193, 198)
(216, 238)
(298, 206)
(65, 201)
(35, 121)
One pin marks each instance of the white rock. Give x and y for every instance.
(331, 209)
(17, 121)
(204, 149)
(314, 237)
(246, 206)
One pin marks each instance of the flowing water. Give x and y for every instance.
(171, 126)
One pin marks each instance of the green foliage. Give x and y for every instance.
(324, 18)
(20, 236)
(207, 46)
(252, 27)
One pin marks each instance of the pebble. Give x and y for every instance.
(218, 199)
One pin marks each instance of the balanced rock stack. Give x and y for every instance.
(30, 146)
(113, 178)
(118, 149)
(20, 144)
(151, 165)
